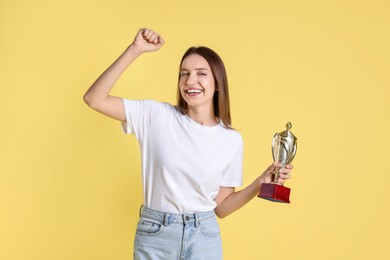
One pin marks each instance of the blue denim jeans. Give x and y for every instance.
(168, 236)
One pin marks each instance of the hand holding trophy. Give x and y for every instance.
(284, 147)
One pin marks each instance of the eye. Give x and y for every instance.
(184, 73)
(202, 74)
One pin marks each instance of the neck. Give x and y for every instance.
(206, 117)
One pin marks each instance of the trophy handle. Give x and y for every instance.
(275, 148)
(293, 152)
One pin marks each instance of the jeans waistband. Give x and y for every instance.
(169, 218)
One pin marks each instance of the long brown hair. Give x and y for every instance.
(221, 95)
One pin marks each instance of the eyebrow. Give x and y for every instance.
(195, 69)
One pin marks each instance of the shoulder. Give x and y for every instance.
(232, 136)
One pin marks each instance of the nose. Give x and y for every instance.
(191, 79)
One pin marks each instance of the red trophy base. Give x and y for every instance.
(274, 192)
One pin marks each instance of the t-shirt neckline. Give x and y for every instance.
(203, 127)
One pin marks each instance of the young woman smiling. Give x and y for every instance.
(191, 156)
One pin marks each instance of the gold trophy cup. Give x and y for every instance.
(284, 147)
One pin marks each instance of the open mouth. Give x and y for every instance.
(193, 92)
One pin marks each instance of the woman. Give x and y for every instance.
(191, 156)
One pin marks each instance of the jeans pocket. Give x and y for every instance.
(210, 227)
(148, 227)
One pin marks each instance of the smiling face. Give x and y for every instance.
(196, 83)
(210, 89)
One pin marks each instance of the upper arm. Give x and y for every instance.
(111, 106)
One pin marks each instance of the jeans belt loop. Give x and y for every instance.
(196, 220)
(166, 219)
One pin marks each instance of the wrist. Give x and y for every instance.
(259, 181)
(135, 49)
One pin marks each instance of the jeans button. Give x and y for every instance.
(187, 218)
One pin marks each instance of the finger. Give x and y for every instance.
(155, 41)
(145, 32)
(285, 176)
(154, 38)
(271, 168)
(277, 165)
(149, 34)
(285, 173)
(161, 40)
(284, 170)
(289, 166)
(140, 34)
(141, 31)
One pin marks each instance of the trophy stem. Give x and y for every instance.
(276, 176)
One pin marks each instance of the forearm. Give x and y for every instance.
(238, 199)
(229, 201)
(102, 87)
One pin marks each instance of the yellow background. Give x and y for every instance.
(70, 185)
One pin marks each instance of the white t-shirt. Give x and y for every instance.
(183, 163)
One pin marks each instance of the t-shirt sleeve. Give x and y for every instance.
(140, 115)
(232, 177)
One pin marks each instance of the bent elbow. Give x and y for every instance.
(86, 99)
(220, 214)
(89, 101)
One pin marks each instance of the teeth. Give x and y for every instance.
(190, 91)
